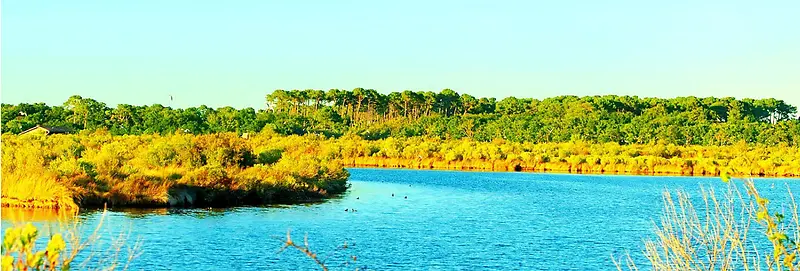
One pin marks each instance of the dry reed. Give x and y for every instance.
(22, 189)
(727, 232)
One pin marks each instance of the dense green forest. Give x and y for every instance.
(444, 115)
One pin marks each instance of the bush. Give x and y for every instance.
(141, 170)
(270, 156)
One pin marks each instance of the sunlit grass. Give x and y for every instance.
(66, 171)
(35, 189)
(568, 157)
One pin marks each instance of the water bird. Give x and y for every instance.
(406, 197)
(392, 194)
(346, 209)
(357, 198)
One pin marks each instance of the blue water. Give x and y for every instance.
(436, 220)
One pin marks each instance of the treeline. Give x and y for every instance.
(370, 105)
(223, 169)
(444, 115)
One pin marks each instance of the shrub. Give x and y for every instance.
(270, 156)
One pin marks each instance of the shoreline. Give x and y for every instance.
(569, 173)
(555, 168)
(200, 198)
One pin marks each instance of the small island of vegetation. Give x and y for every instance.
(222, 169)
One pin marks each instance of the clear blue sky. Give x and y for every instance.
(234, 52)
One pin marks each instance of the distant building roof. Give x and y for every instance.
(49, 129)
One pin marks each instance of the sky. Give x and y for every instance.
(233, 53)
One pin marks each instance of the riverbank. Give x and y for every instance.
(743, 160)
(562, 167)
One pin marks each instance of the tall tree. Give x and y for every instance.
(468, 102)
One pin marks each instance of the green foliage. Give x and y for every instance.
(270, 156)
(446, 115)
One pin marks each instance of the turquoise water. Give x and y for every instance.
(436, 220)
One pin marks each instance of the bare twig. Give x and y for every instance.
(304, 249)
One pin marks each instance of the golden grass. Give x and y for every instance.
(554, 166)
(65, 171)
(23, 189)
(568, 157)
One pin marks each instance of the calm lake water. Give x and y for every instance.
(436, 220)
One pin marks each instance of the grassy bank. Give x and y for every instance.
(67, 171)
(573, 157)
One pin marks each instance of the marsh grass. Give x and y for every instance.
(93, 169)
(735, 230)
(571, 157)
(43, 190)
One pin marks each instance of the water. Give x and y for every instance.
(449, 221)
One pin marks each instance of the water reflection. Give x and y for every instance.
(15, 215)
(49, 221)
(143, 213)
(138, 212)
